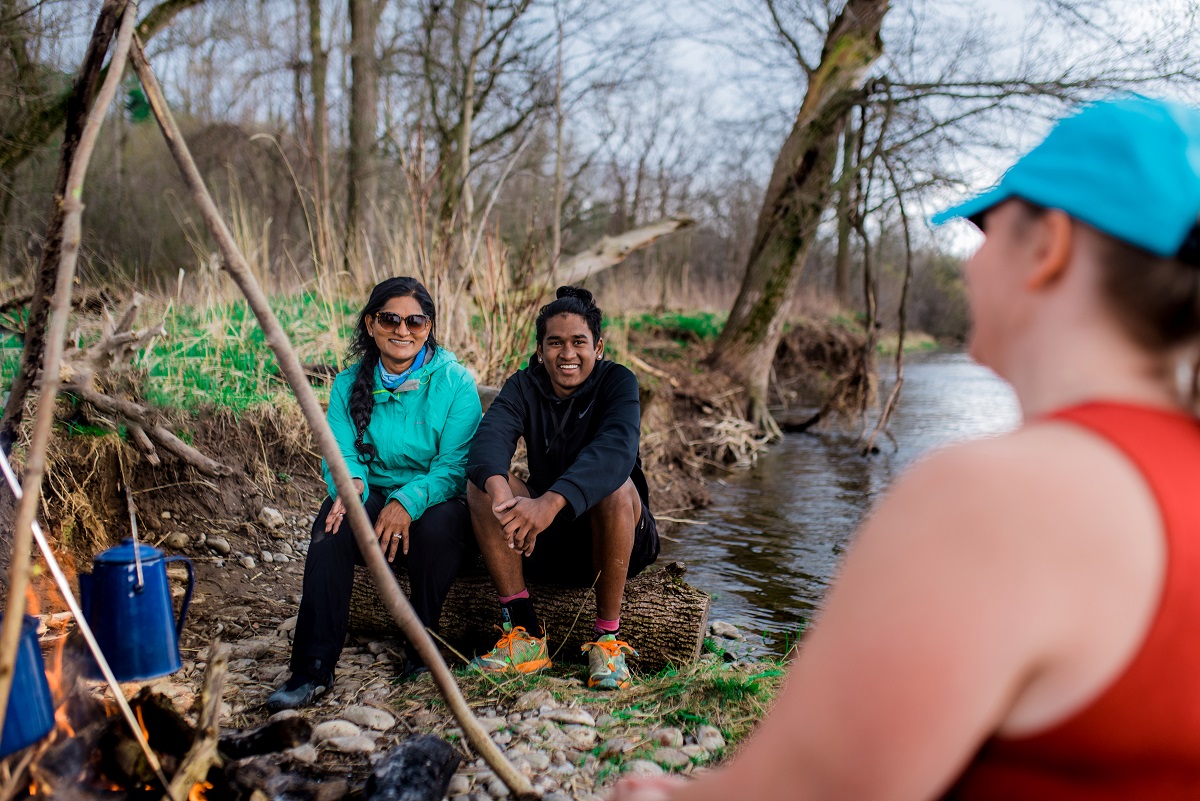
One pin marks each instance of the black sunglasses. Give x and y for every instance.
(389, 322)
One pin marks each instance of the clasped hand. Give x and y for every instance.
(391, 527)
(522, 519)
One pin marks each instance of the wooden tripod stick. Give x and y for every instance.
(289, 364)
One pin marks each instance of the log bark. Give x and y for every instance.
(797, 196)
(662, 616)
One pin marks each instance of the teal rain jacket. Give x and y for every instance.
(422, 435)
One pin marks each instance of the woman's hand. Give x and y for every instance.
(337, 512)
(653, 788)
(392, 529)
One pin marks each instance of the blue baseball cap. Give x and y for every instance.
(1129, 167)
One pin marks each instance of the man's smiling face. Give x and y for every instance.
(569, 352)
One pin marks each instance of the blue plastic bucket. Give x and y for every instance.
(30, 713)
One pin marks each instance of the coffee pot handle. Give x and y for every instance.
(187, 596)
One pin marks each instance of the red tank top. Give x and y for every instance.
(1140, 739)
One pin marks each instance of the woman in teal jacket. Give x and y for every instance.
(404, 416)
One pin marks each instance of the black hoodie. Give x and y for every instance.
(582, 446)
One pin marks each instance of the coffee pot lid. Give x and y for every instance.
(123, 554)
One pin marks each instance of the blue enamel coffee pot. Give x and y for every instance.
(127, 601)
(30, 713)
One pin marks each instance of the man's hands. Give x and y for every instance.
(391, 528)
(337, 512)
(521, 518)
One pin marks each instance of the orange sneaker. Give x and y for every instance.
(517, 651)
(606, 663)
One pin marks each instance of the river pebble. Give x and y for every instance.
(284, 715)
(218, 545)
(459, 785)
(285, 548)
(570, 715)
(250, 649)
(533, 699)
(303, 753)
(350, 745)
(247, 562)
(557, 796)
(694, 751)
(642, 767)
(671, 758)
(177, 541)
(709, 738)
(668, 736)
(270, 518)
(335, 729)
(604, 720)
(267, 557)
(582, 737)
(492, 724)
(729, 631)
(616, 746)
(369, 717)
(497, 788)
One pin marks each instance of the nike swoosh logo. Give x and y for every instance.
(585, 411)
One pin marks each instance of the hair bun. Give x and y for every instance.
(575, 292)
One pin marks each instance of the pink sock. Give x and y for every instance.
(607, 626)
(508, 599)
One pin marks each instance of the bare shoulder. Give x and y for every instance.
(1042, 472)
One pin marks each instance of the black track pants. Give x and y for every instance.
(438, 542)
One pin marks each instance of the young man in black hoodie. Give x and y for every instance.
(583, 518)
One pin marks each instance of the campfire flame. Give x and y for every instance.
(199, 790)
(54, 676)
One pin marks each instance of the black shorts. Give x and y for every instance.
(563, 552)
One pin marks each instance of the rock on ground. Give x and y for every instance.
(335, 729)
(369, 717)
(727, 630)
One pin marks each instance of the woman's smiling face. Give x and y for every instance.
(568, 352)
(398, 348)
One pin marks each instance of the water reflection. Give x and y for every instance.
(774, 535)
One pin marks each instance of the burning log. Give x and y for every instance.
(278, 735)
(662, 616)
(419, 769)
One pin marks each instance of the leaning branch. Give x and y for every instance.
(60, 308)
(385, 582)
(612, 250)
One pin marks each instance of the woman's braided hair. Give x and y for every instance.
(363, 348)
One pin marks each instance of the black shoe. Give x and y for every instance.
(413, 666)
(300, 690)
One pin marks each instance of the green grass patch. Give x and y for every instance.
(216, 355)
(683, 327)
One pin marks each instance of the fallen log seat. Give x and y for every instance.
(663, 617)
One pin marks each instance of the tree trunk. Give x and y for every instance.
(319, 148)
(364, 118)
(663, 617)
(845, 202)
(797, 196)
(82, 98)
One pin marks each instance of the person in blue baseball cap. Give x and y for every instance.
(1018, 617)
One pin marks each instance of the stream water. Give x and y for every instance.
(771, 542)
